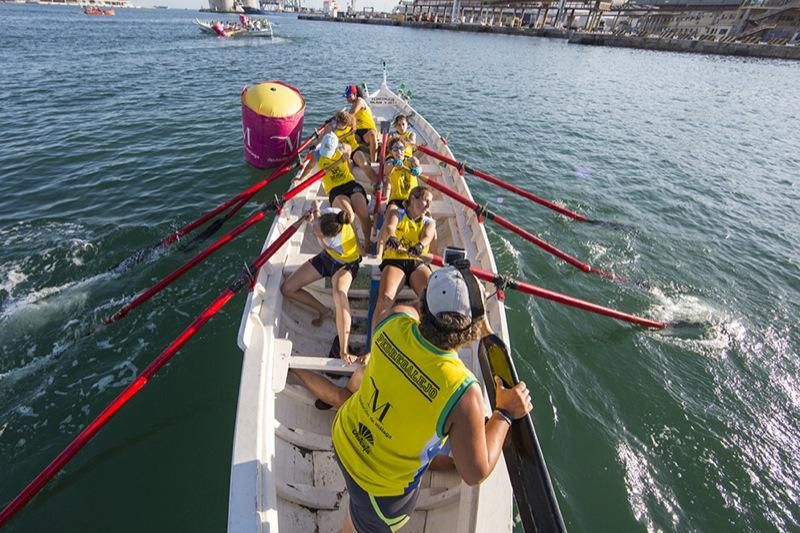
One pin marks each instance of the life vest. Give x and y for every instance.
(388, 431)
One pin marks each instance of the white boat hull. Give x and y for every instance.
(283, 474)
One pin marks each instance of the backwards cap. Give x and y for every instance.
(328, 145)
(351, 89)
(454, 289)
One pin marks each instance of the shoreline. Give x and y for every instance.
(595, 39)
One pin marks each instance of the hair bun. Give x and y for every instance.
(344, 217)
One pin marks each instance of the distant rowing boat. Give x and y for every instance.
(259, 27)
(98, 11)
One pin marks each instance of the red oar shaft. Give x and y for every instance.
(381, 161)
(503, 184)
(528, 236)
(243, 197)
(219, 243)
(529, 288)
(130, 391)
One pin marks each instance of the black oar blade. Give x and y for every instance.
(138, 257)
(200, 237)
(533, 491)
(613, 225)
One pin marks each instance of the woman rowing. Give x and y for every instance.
(404, 134)
(344, 126)
(339, 183)
(366, 132)
(402, 171)
(406, 234)
(339, 261)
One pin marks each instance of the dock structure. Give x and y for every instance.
(750, 28)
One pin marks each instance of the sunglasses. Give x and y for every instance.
(398, 148)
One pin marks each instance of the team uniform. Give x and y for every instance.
(341, 251)
(338, 180)
(364, 122)
(387, 432)
(401, 181)
(348, 136)
(409, 233)
(408, 151)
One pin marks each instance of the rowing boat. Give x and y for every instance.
(265, 29)
(283, 474)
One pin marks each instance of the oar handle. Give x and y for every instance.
(503, 282)
(244, 279)
(462, 166)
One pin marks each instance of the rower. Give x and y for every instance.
(406, 234)
(344, 126)
(402, 170)
(339, 183)
(404, 134)
(366, 131)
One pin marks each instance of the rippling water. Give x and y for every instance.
(116, 130)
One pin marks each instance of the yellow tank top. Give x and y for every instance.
(387, 432)
(409, 233)
(347, 136)
(364, 120)
(344, 246)
(338, 174)
(409, 150)
(401, 181)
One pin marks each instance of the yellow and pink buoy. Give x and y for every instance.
(272, 122)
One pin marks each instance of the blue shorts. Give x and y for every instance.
(327, 266)
(377, 514)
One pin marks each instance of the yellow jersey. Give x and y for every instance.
(364, 120)
(344, 246)
(347, 136)
(337, 174)
(405, 137)
(401, 181)
(388, 431)
(409, 233)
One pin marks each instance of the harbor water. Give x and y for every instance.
(116, 130)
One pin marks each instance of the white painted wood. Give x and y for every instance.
(284, 477)
(322, 364)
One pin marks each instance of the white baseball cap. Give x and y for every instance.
(328, 145)
(454, 289)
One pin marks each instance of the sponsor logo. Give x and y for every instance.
(421, 381)
(364, 437)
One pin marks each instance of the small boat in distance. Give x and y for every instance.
(246, 27)
(98, 11)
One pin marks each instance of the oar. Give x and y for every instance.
(219, 243)
(463, 167)
(237, 201)
(244, 279)
(484, 212)
(381, 161)
(530, 480)
(503, 282)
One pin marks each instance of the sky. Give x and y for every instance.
(379, 5)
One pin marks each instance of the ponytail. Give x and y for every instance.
(344, 217)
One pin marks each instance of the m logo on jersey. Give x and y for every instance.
(383, 408)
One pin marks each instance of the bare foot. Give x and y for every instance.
(317, 322)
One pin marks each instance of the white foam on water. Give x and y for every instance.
(643, 489)
(11, 277)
